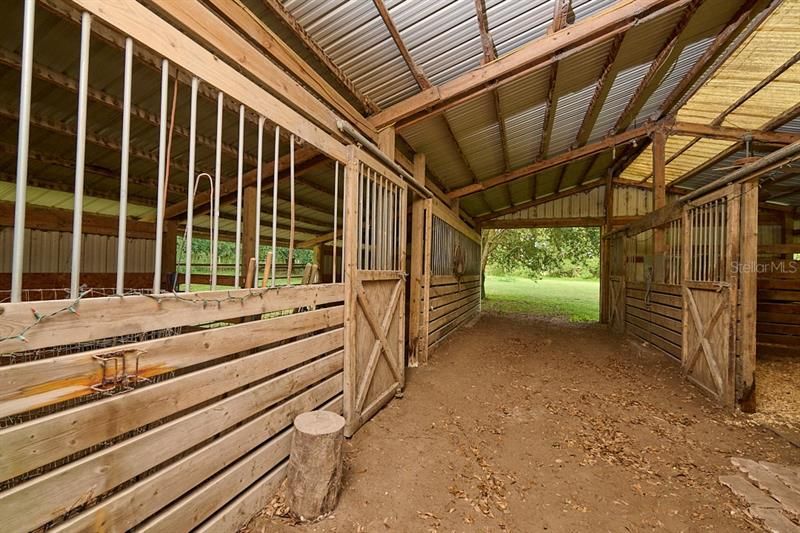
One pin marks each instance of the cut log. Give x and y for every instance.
(315, 464)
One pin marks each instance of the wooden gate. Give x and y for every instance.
(710, 246)
(375, 256)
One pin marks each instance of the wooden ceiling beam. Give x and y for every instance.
(561, 159)
(785, 117)
(733, 134)
(658, 68)
(530, 56)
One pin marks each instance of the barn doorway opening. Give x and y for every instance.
(543, 271)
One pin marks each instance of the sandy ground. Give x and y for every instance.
(527, 424)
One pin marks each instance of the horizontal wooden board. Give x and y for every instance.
(100, 318)
(663, 345)
(440, 301)
(450, 280)
(26, 446)
(36, 384)
(46, 497)
(442, 290)
(439, 335)
(656, 297)
(134, 504)
(658, 309)
(654, 329)
(655, 287)
(454, 312)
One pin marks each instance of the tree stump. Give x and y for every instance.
(315, 465)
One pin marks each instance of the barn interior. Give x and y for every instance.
(217, 214)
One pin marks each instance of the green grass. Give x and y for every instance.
(574, 299)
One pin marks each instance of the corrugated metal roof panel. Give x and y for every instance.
(686, 60)
(430, 138)
(570, 111)
(353, 34)
(513, 23)
(441, 35)
(475, 127)
(623, 87)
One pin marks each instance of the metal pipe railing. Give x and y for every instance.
(23, 135)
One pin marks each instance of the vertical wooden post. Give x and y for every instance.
(416, 287)
(748, 277)
(350, 252)
(426, 280)
(386, 141)
(659, 201)
(319, 259)
(605, 256)
(248, 226)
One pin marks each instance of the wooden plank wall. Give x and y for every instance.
(653, 314)
(193, 430)
(778, 313)
(453, 299)
(453, 302)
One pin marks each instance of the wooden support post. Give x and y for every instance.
(416, 286)
(248, 226)
(748, 282)
(605, 256)
(350, 252)
(386, 141)
(319, 259)
(659, 201)
(314, 475)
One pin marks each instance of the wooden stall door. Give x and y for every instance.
(375, 232)
(711, 244)
(616, 284)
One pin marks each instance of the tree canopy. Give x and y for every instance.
(568, 252)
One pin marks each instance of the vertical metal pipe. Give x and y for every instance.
(275, 200)
(335, 216)
(190, 204)
(123, 166)
(162, 166)
(367, 219)
(344, 218)
(360, 232)
(239, 167)
(259, 168)
(80, 155)
(215, 204)
(290, 261)
(23, 135)
(374, 222)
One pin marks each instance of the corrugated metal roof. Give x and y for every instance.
(522, 106)
(477, 131)
(441, 35)
(353, 34)
(513, 23)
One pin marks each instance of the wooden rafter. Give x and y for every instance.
(787, 116)
(733, 134)
(535, 54)
(754, 90)
(489, 55)
(734, 26)
(559, 21)
(663, 60)
(602, 87)
(561, 159)
(422, 80)
(487, 43)
(277, 7)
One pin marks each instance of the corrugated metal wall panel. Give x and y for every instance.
(50, 251)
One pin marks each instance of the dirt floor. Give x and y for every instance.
(526, 424)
